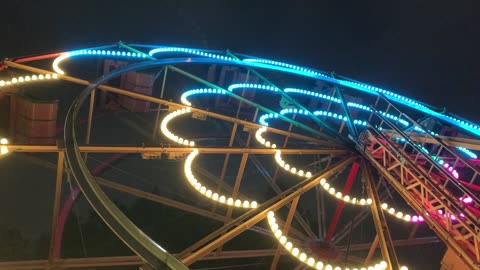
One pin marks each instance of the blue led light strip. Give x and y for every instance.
(302, 71)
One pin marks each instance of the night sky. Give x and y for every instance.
(428, 49)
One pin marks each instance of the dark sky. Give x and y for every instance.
(425, 49)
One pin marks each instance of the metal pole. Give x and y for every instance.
(236, 187)
(157, 118)
(384, 237)
(56, 203)
(286, 228)
(90, 118)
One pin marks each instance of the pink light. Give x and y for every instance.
(450, 169)
(440, 212)
(445, 165)
(420, 218)
(415, 219)
(466, 199)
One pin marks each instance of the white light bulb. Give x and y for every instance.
(295, 252)
(221, 199)
(230, 201)
(253, 204)
(3, 141)
(3, 150)
(288, 246)
(319, 265)
(302, 257)
(238, 203)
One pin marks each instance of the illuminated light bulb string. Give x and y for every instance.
(27, 79)
(3, 146)
(310, 261)
(194, 182)
(87, 52)
(275, 65)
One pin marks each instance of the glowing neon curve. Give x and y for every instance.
(235, 86)
(188, 164)
(209, 193)
(164, 127)
(274, 65)
(190, 51)
(192, 92)
(310, 261)
(66, 55)
(27, 79)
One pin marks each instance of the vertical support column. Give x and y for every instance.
(227, 157)
(350, 124)
(56, 203)
(373, 247)
(236, 188)
(286, 228)
(341, 203)
(384, 237)
(162, 91)
(90, 119)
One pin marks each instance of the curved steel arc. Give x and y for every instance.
(126, 230)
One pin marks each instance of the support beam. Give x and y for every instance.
(398, 243)
(57, 201)
(254, 216)
(371, 251)
(169, 103)
(343, 102)
(140, 149)
(341, 203)
(118, 261)
(236, 188)
(286, 228)
(162, 91)
(385, 239)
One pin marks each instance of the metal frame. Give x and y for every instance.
(204, 249)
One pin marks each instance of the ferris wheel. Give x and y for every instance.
(288, 159)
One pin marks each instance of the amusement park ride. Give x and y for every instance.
(288, 138)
